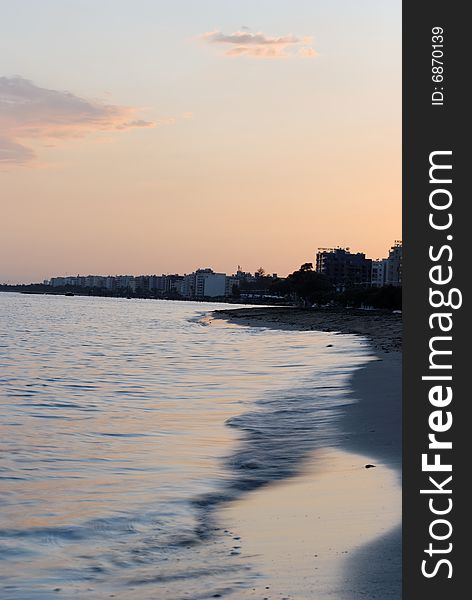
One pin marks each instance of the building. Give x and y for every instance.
(173, 284)
(209, 284)
(393, 269)
(343, 268)
(388, 271)
(141, 284)
(157, 283)
(232, 283)
(57, 281)
(93, 281)
(188, 286)
(204, 283)
(125, 283)
(378, 272)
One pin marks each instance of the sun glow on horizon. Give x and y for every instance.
(167, 144)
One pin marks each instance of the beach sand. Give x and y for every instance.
(383, 329)
(334, 530)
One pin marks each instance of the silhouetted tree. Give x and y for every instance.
(307, 285)
(306, 267)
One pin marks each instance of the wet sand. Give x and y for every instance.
(383, 329)
(334, 530)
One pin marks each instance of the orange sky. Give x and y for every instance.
(171, 141)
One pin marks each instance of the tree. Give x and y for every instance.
(306, 267)
(308, 285)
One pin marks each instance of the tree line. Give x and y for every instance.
(307, 287)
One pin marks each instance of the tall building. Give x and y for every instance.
(393, 268)
(209, 284)
(343, 268)
(378, 272)
(204, 283)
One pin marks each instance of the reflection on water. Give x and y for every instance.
(116, 447)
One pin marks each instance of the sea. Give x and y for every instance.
(127, 425)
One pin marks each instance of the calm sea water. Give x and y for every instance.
(127, 424)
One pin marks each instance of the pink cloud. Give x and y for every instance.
(307, 52)
(258, 45)
(29, 112)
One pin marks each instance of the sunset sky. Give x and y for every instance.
(149, 136)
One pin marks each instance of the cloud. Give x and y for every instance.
(307, 52)
(13, 152)
(258, 45)
(29, 112)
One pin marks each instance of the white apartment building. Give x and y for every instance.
(388, 271)
(378, 272)
(204, 283)
(209, 284)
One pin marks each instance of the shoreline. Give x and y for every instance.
(275, 523)
(133, 296)
(382, 328)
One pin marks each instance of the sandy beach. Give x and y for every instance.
(382, 328)
(334, 530)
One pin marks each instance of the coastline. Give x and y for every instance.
(383, 329)
(358, 553)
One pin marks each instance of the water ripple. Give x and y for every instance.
(126, 425)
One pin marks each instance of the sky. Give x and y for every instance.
(151, 136)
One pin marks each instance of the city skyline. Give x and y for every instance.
(377, 268)
(237, 269)
(337, 269)
(158, 136)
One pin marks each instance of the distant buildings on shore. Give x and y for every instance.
(202, 283)
(343, 268)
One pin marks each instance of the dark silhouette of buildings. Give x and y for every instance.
(344, 269)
